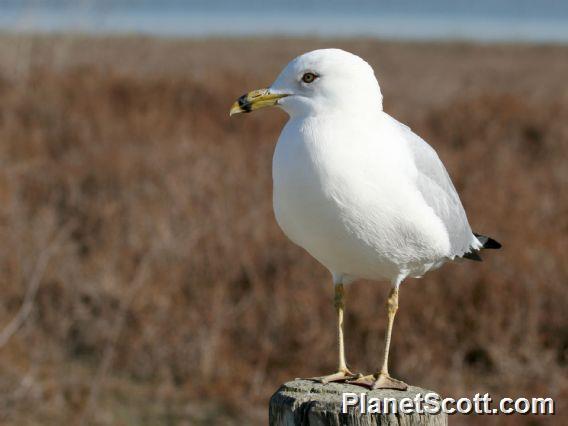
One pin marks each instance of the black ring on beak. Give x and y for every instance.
(244, 104)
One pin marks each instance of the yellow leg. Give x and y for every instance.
(382, 379)
(340, 307)
(392, 307)
(343, 373)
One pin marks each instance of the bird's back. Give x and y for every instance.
(438, 191)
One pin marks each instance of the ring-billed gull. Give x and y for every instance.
(358, 190)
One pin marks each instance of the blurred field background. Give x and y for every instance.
(143, 277)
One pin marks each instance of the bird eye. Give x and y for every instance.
(309, 77)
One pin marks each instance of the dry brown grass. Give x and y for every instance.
(170, 296)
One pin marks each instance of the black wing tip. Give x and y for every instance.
(488, 242)
(472, 255)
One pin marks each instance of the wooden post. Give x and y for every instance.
(308, 403)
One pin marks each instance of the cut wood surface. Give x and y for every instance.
(306, 402)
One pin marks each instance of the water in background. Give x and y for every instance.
(479, 20)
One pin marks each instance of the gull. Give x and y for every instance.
(359, 191)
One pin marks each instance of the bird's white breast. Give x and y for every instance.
(347, 196)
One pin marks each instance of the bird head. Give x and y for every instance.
(321, 81)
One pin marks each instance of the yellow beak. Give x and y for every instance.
(254, 100)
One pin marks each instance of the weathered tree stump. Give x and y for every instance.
(308, 403)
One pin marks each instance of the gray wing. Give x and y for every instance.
(439, 192)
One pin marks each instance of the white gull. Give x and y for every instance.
(358, 190)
